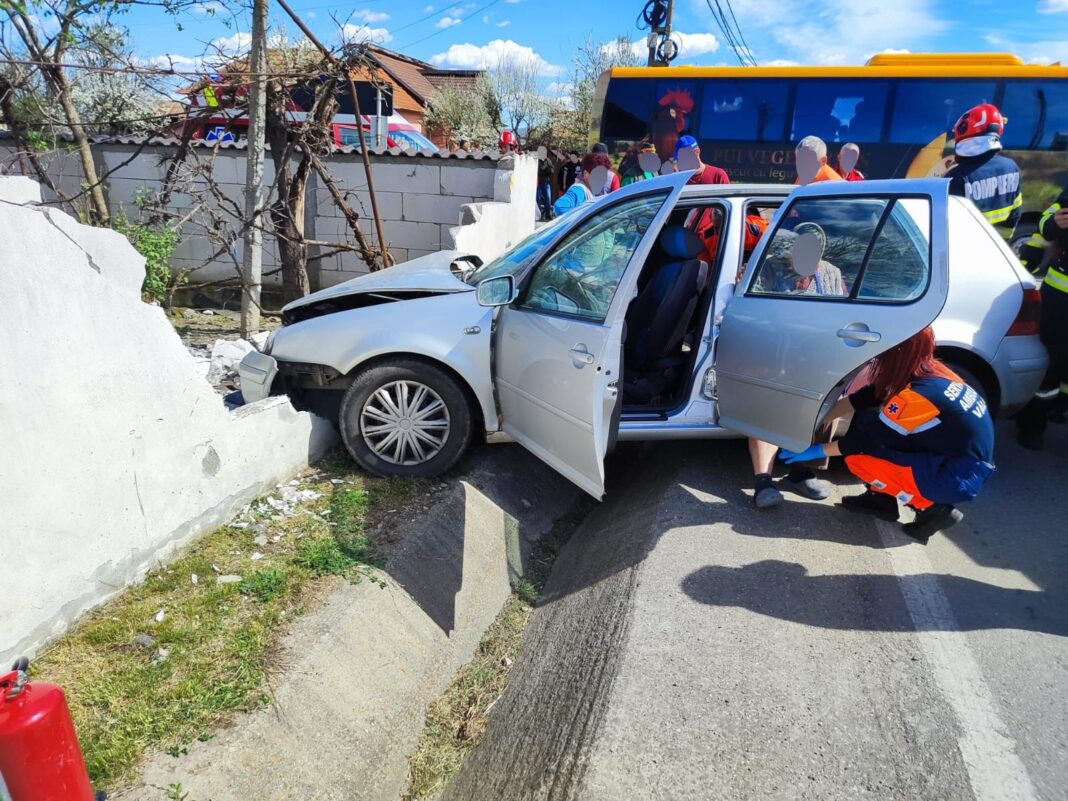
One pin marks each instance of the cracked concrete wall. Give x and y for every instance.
(116, 452)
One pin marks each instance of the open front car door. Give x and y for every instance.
(558, 359)
(846, 271)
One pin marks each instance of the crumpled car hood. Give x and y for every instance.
(427, 274)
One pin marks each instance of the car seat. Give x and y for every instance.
(660, 317)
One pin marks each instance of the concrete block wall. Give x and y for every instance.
(419, 200)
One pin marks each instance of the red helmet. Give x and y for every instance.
(983, 119)
(507, 140)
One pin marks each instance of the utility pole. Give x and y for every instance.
(662, 49)
(252, 261)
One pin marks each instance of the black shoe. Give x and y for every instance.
(1029, 438)
(874, 503)
(932, 520)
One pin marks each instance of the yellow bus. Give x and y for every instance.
(899, 108)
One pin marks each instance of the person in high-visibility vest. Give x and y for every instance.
(1052, 234)
(981, 173)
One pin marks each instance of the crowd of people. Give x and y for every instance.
(919, 435)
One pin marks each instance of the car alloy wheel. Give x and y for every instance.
(405, 422)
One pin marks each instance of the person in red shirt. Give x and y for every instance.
(688, 157)
(848, 157)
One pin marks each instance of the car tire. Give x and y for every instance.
(970, 379)
(425, 410)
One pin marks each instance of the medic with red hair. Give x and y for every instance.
(919, 436)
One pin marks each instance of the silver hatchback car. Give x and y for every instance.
(662, 311)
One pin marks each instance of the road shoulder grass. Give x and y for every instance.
(173, 657)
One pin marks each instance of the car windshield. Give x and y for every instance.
(511, 261)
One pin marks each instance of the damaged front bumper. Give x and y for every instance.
(256, 371)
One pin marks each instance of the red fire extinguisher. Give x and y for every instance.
(39, 755)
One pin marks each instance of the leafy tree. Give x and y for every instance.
(53, 34)
(459, 116)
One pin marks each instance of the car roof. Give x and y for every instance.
(737, 190)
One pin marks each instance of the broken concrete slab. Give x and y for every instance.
(358, 673)
(116, 450)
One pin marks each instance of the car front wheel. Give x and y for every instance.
(406, 418)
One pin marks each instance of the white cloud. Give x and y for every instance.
(779, 62)
(479, 57)
(310, 14)
(1052, 6)
(834, 31)
(512, 2)
(485, 19)
(176, 61)
(234, 45)
(363, 15)
(364, 33)
(448, 22)
(208, 8)
(559, 88)
(1043, 52)
(693, 44)
(504, 23)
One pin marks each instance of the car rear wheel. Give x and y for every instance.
(970, 378)
(406, 418)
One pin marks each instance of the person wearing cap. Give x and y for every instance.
(982, 174)
(706, 173)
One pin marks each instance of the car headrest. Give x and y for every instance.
(681, 243)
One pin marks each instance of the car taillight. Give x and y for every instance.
(1026, 322)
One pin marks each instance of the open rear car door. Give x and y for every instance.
(845, 271)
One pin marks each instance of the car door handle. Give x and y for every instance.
(859, 334)
(580, 354)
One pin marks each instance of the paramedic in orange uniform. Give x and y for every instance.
(919, 436)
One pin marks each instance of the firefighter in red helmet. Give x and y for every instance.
(981, 173)
(508, 143)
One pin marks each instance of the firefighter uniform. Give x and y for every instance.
(1053, 328)
(992, 182)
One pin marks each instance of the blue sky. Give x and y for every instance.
(472, 33)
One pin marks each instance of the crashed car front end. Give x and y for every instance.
(421, 308)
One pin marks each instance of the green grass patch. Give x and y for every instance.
(456, 721)
(172, 657)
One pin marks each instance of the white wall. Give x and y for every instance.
(115, 451)
(490, 228)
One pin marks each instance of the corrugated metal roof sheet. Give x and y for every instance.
(174, 141)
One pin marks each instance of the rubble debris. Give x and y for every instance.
(144, 640)
(160, 615)
(229, 578)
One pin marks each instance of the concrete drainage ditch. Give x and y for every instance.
(348, 709)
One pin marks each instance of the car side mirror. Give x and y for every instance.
(497, 291)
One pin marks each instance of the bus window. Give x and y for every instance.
(1037, 112)
(925, 109)
(747, 110)
(840, 110)
(628, 106)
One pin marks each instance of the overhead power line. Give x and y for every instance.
(732, 32)
(476, 12)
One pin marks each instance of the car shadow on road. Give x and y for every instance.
(494, 489)
(789, 592)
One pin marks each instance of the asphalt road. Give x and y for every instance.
(691, 646)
